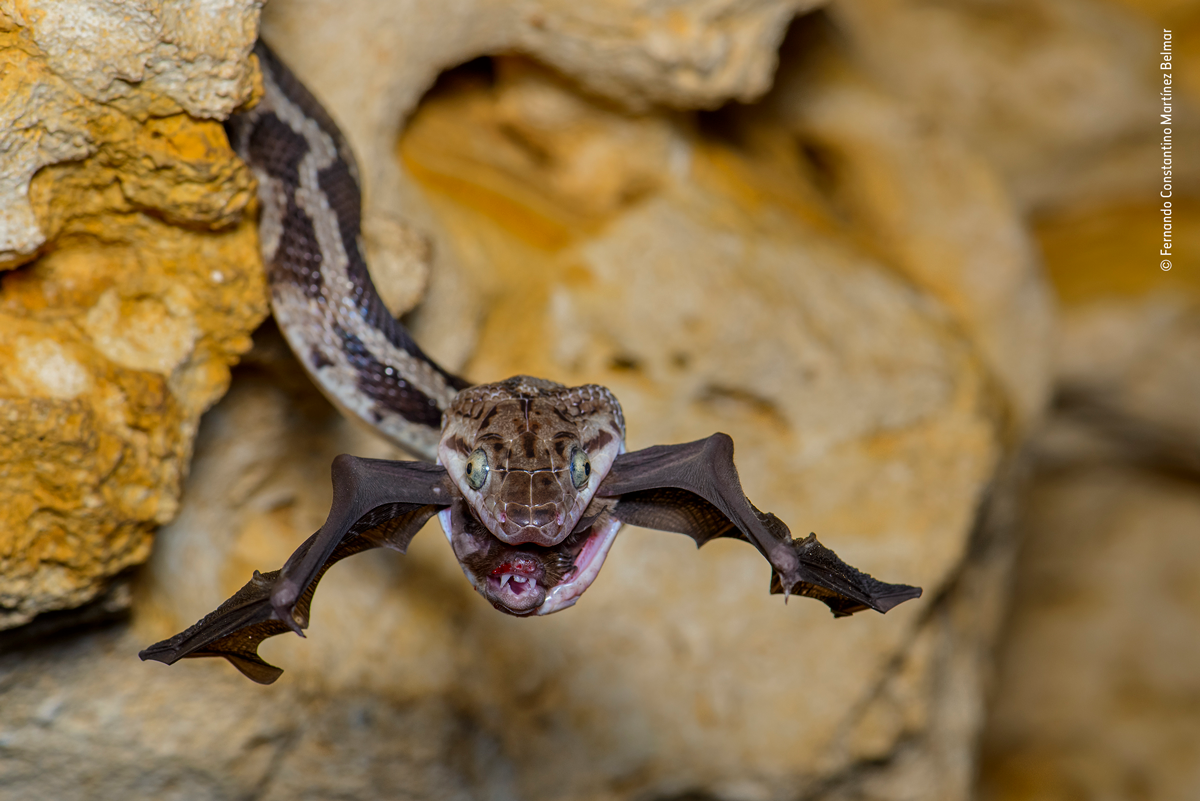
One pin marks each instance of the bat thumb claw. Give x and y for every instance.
(294, 625)
(287, 617)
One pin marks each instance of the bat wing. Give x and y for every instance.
(376, 504)
(694, 489)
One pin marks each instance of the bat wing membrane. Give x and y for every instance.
(694, 489)
(376, 504)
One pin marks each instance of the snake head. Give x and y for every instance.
(528, 455)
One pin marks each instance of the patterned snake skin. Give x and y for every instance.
(321, 292)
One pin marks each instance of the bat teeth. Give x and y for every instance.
(506, 577)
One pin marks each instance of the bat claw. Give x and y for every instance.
(694, 489)
(287, 616)
(822, 575)
(376, 504)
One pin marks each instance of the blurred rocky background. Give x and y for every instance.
(904, 252)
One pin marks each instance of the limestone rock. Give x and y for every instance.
(696, 54)
(930, 204)
(77, 724)
(1140, 356)
(121, 333)
(1097, 669)
(1061, 96)
(1098, 672)
(1098, 666)
(86, 77)
(1106, 253)
(700, 270)
(703, 266)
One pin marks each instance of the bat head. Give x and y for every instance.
(527, 455)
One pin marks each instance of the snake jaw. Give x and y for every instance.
(599, 538)
(524, 569)
(529, 579)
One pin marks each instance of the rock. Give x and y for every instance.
(1098, 669)
(89, 79)
(929, 203)
(121, 333)
(718, 275)
(1139, 355)
(76, 726)
(699, 270)
(1088, 253)
(1098, 666)
(1061, 96)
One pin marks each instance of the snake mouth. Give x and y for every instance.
(530, 579)
(592, 551)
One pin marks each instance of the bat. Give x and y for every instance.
(691, 489)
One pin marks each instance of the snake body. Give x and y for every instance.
(321, 292)
(526, 454)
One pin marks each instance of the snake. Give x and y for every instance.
(527, 454)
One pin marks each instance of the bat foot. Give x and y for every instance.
(819, 573)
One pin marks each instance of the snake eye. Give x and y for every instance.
(477, 469)
(581, 468)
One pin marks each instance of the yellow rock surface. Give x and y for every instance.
(140, 284)
(1112, 251)
(841, 276)
(1099, 663)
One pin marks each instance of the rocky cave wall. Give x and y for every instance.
(817, 227)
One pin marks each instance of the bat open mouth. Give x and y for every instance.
(518, 583)
(529, 579)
